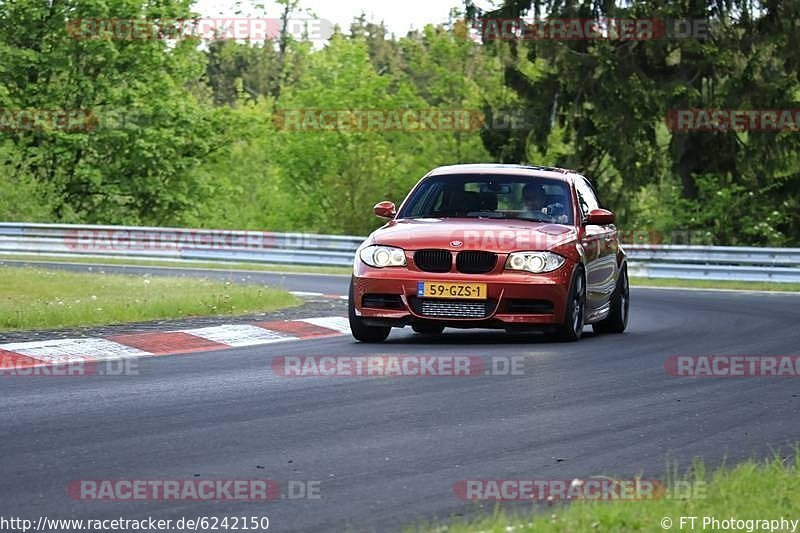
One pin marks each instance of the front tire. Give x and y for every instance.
(617, 319)
(572, 327)
(362, 332)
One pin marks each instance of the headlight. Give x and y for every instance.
(383, 256)
(535, 262)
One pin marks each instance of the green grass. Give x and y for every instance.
(753, 490)
(711, 284)
(259, 267)
(40, 299)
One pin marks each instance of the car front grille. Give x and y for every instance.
(476, 262)
(468, 262)
(433, 260)
(444, 308)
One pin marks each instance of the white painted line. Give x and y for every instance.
(303, 293)
(66, 350)
(238, 335)
(336, 323)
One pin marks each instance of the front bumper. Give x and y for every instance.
(388, 296)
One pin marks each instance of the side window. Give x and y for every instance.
(586, 196)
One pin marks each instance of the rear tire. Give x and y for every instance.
(617, 319)
(361, 332)
(572, 327)
(428, 328)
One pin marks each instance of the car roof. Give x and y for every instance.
(497, 168)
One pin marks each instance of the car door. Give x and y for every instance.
(599, 243)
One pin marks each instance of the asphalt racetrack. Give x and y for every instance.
(386, 452)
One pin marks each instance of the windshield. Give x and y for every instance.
(491, 196)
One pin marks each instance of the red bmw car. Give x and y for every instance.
(492, 246)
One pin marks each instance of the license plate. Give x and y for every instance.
(436, 289)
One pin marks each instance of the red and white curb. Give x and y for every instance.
(60, 351)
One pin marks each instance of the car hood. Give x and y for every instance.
(499, 236)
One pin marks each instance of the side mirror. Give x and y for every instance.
(384, 209)
(600, 217)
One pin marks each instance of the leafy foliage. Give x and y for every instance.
(184, 132)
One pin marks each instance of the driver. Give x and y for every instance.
(536, 207)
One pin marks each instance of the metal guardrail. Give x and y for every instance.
(781, 265)
(179, 244)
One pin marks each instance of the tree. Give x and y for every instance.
(610, 98)
(132, 161)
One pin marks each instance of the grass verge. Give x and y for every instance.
(714, 284)
(41, 299)
(301, 269)
(754, 490)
